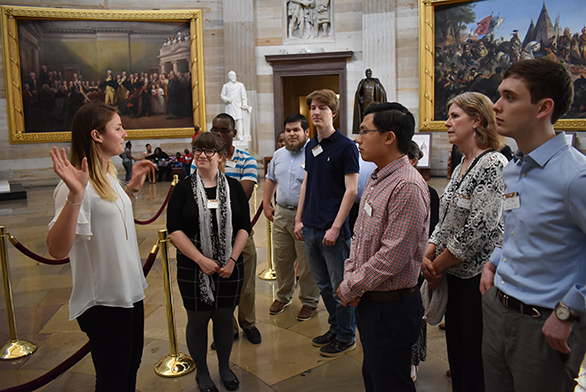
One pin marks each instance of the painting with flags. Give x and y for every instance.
(476, 41)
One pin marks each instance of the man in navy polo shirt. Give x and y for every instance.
(327, 194)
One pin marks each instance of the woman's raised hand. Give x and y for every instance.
(139, 172)
(75, 179)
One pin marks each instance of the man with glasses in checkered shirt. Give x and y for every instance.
(390, 239)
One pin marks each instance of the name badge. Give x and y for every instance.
(512, 201)
(212, 204)
(230, 163)
(464, 202)
(317, 150)
(368, 208)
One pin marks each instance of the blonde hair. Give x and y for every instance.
(94, 115)
(476, 104)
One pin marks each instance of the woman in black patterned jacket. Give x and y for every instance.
(470, 226)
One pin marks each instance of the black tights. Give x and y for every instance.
(197, 339)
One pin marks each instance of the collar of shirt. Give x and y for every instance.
(380, 174)
(330, 139)
(542, 154)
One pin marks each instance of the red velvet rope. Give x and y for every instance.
(35, 256)
(256, 216)
(154, 218)
(72, 360)
(83, 351)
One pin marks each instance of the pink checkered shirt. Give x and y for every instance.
(389, 243)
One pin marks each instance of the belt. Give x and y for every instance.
(386, 296)
(287, 207)
(518, 306)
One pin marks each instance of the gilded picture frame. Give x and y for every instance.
(147, 25)
(483, 22)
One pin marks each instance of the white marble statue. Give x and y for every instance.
(234, 96)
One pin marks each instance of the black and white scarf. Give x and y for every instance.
(222, 252)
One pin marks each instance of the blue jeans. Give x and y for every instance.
(327, 267)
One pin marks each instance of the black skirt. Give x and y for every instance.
(227, 293)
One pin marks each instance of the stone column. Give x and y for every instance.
(239, 53)
(379, 42)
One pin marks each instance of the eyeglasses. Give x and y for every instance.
(209, 152)
(223, 130)
(363, 132)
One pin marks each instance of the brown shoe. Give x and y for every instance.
(305, 313)
(278, 306)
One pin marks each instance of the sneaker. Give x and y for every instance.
(253, 335)
(337, 348)
(305, 313)
(324, 340)
(278, 306)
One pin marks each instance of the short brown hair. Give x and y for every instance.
(212, 140)
(545, 79)
(327, 97)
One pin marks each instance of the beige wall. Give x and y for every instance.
(29, 163)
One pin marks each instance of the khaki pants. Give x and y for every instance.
(246, 307)
(287, 249)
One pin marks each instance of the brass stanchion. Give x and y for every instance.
(269, 273)
(174, 364)
(15, 348)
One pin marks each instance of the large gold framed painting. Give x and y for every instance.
(468, 45)
(149, 64)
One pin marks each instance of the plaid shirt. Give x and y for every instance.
(389, 242)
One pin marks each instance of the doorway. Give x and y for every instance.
(297, 75)
(297, 88)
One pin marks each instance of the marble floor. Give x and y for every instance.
(284, 361)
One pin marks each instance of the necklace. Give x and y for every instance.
(122, 214)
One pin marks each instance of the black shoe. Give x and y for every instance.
(211, 388)
(231, 385)
(213, 345)
(337, 348)
(324, 340)
(253, 335)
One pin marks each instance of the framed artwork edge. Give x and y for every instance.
(12, 74)
(427, 71)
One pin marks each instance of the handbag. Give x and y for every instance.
(435, 301)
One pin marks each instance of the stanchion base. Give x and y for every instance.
(268, 274)
(15, 349)
(174, 365)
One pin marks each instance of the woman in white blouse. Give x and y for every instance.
(470, 226)
(94, 226)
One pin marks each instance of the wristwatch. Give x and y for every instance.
(564, 313)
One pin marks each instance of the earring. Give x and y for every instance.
(474, 131)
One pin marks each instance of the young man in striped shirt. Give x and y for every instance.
(390, 239)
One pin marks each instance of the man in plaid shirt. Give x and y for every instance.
(391, 234)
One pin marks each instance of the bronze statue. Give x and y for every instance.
(369, 90)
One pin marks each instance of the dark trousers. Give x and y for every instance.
(388, 331)
(116, 339)
(464, 334)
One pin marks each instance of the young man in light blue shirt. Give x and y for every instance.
(285, 176)
(535, 286)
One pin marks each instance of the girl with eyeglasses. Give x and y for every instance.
(209, 222)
